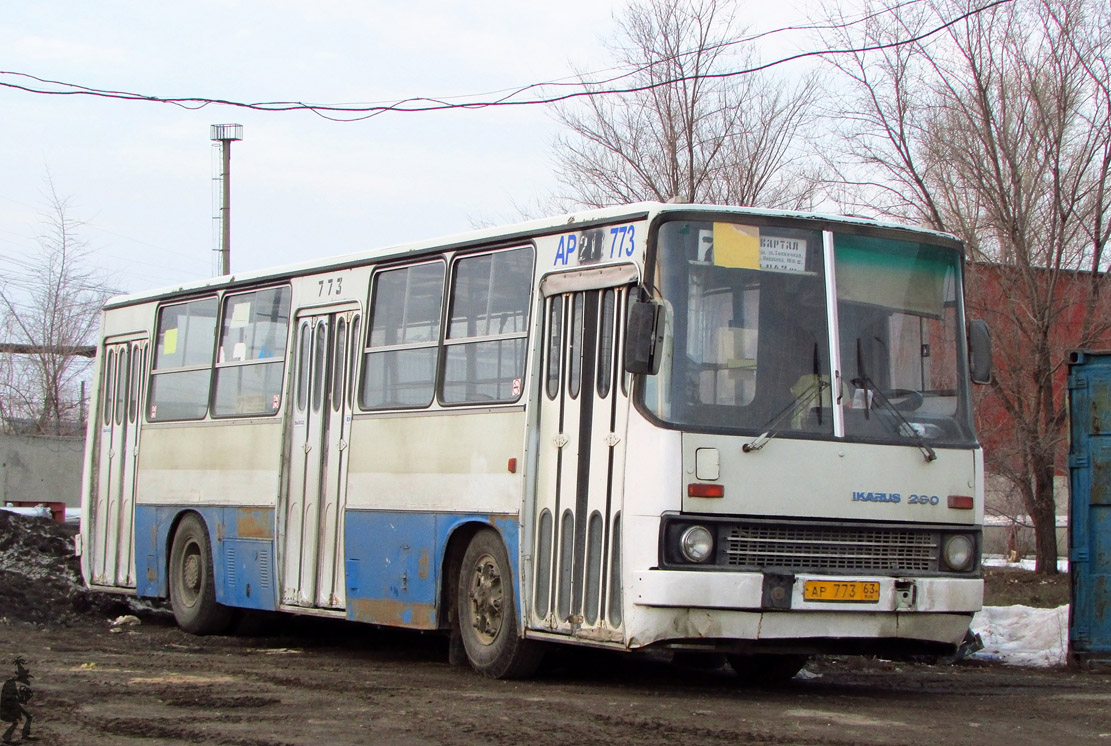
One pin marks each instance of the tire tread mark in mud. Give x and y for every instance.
(218, 702)
(339, 682)
(190, 731)
(664, 732)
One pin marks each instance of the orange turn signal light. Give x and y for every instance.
(696, 489)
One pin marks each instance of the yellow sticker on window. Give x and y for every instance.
(736, 246)
(169, 342)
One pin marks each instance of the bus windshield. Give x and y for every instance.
(748, 330)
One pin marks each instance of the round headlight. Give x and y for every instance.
(957, 552)
(696, 544)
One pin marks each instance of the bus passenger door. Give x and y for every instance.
(583, 416)
(121, 396)
(312, 551)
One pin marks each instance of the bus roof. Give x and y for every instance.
(506, 233)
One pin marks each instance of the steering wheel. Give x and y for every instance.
(904, 400)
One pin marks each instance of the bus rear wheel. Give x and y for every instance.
(487, 612)
(192, 588)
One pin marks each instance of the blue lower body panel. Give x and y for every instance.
(394, 560)
(242, 541)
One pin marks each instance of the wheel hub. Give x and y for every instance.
(191, 574)
(486, 599)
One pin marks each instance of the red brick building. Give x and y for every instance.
(1037, 317)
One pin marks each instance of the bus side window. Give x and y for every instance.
(250, 365)
(123, 380)
(303, 345)
(182, 369)
(484, 351)
(555, 344)
(319, 364)
(138, 360)
(354, 367)
(339, 369)
(108, 388)
(574, 375)
(399, 363)
(605, 343)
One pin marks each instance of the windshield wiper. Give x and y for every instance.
(871, 390)
(905, 429)
(812, 391)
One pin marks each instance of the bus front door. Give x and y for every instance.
(312, 551)
(122, 379)
(576, 586)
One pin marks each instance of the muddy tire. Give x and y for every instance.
(192, 590)
(765, 670)
(487, 612)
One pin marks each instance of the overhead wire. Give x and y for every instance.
(508, 97)
(597, 83)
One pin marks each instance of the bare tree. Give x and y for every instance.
(684, 128)
(997, 128)
(50, 309)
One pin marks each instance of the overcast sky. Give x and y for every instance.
(141, 173)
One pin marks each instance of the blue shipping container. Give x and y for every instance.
(1089, 386)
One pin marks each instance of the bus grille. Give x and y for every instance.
(827, 548)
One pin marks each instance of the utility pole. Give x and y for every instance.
(225, 134)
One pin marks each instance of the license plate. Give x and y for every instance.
(841, 591)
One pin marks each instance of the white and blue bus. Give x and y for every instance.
(655, 426)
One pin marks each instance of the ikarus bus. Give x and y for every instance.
(714, 430)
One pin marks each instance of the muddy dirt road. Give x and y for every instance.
(311, 681)
(316, 682)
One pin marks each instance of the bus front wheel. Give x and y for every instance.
(487, 612)
(767, 669)
(192, 589)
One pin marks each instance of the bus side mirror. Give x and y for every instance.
(979, 351)
(644, 338)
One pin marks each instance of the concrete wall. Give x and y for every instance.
(41, 469)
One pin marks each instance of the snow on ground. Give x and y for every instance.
(1021, 635)
(40, 511)
(73, 515)
(997, 560)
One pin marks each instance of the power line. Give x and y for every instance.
(510, 97)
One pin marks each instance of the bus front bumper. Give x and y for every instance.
(669, 605)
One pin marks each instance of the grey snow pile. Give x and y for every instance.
(1023, 636)
(40, 577)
